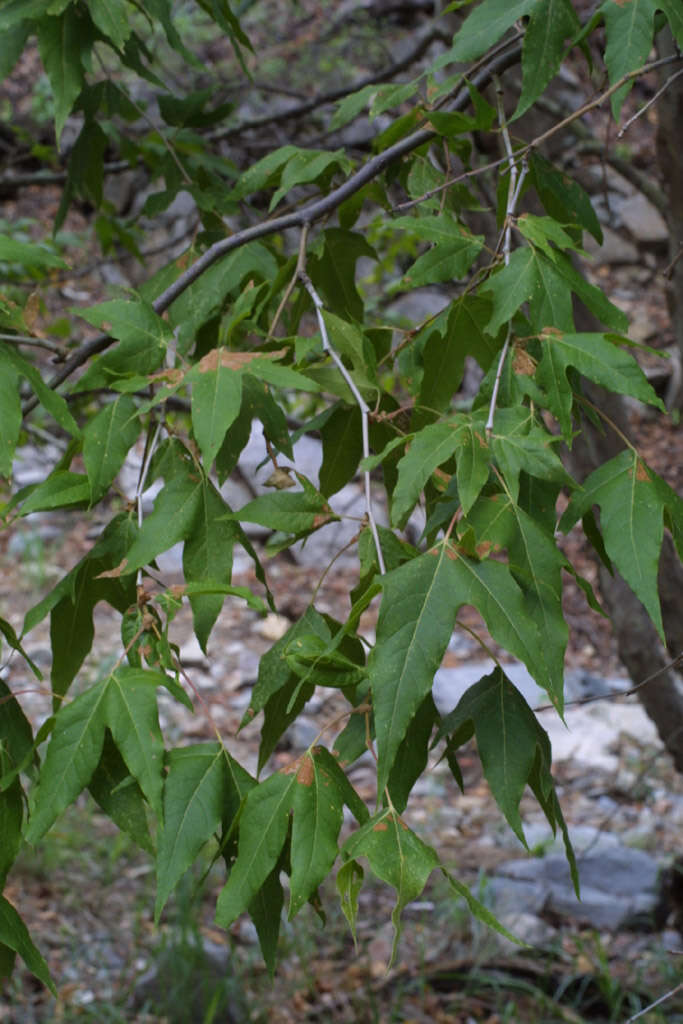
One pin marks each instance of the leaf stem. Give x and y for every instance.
(362, 405)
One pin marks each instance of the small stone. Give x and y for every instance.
(273, 627)
(192, 656)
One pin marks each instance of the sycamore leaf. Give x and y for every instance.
(113, 20)
(397, 856)
(317, 821)
(61, 489)
(630, 33)
(14, 935)
(334, 271)
(550, 23)
(216, 400)
(265, 910)
(342, 448)
(298, 512)
(132, 718)
(536, 564)
(446, 261)
(563, 198)
(204, 788)
(433, 446)
(484, 26)
(597, 358)
(474, 457)
(412, 755)
(415, 623)
(10, 414)
(48, 398)
(349, 883)
(309, 165)
(632, 507)
(207, 558)
(119, 795)
(107, 439)
(144, 337)
(263, 827)
(508, 736)
(72, 756)
(64, 42)
(175, 513)
(518, 444)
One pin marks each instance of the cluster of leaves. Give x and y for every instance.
(236, 343)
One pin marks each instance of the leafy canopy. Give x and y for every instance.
(244, 327)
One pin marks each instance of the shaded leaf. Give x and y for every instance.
(14, 935)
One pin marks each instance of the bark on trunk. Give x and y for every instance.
(639, 646)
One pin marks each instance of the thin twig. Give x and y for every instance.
(646, 106)
(535, 143)
(309, 214)
(23, 339)
(677, 662)
(514, 192)
(667, 995)
(362, 405)
(300, 265)
(142, 478)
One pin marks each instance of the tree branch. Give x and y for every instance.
(307, 215)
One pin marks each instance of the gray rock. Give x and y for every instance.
(451, 683)
(620, 888)
(644, 220)
(615, 249)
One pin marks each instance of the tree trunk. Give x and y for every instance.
(638, 644)
(670, 158)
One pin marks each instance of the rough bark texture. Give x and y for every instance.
(639, 646)
(670, 158)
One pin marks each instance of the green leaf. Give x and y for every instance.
(630, 35)
(144, 338)
(263, 826)
(16, 734)
(446, 261)
(49, 399)
(204, 788)
(334, 271)
(318, 816)
(28, 254)
(11, 814)
(72, 606)
(536, 564)
(485, 26)
(632, 506)
(15, 11)
(173, 518)
(216, 400)
(415, 623)
(14, 935)
(291, 512)
(674, 14)
(10, 414)
(397, 856)
(309, 165)
(550, 24)
(351, 106)
(412, 755)
(107, 439)
(445, 350)
(433, 446)
(508, 736)
(207, 557)
(119, 795)
(132, 718)
(474, 457)
(563, 198)
(266, 912)
(72, 756)
(64, 43)
(61, 489)
(597, 358)
(520, 445)
(342, 448)
(349, 884)
(540, 231)
(112, 17)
